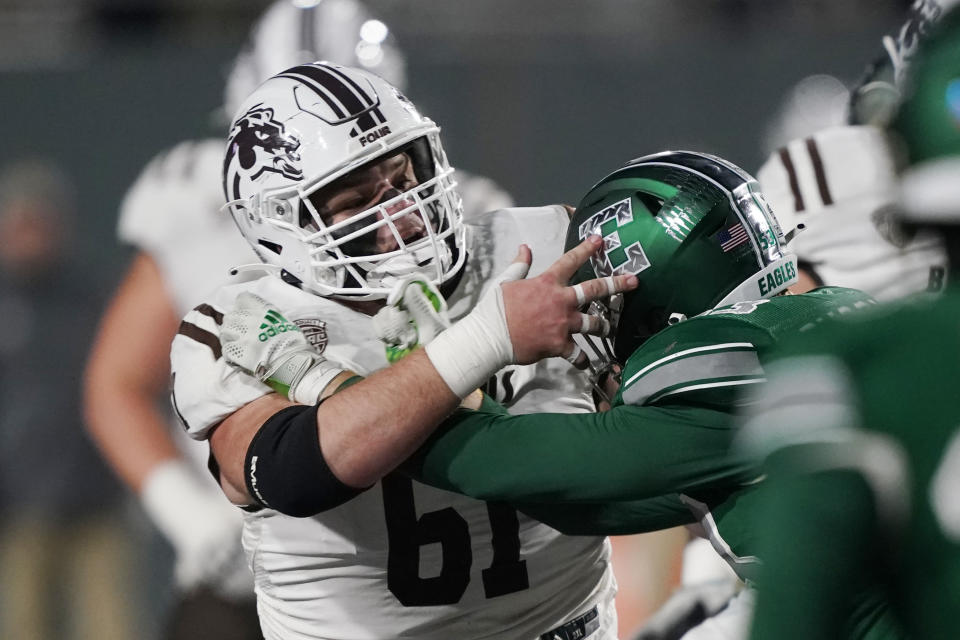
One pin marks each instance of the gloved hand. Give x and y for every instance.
(413, 316)
(256, 338)
(201, 525)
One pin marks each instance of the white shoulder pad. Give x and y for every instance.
(543, 229)
(206, 388)
(480, 194)
(176, 187)
(493, 238)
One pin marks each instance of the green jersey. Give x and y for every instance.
(864, 482)
(659, 456)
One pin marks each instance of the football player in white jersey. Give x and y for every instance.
(186, 247)
(344, 191)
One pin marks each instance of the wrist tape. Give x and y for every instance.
(476, 347)
(303, 376)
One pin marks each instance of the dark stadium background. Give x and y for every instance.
(542, 95)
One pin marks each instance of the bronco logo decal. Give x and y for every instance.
(262, 144)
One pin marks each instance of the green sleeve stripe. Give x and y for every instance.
(706, 384)
(806, 400)
(703, 365)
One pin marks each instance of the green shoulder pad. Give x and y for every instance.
(701, 358)
(712, 358)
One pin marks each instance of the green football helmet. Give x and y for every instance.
(928, 124)
(693, 228)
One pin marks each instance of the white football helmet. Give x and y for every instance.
(310, 125)
(292, 32)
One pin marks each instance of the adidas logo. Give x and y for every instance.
(274, 324)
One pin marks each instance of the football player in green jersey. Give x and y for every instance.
(710, 260)
(864, 449)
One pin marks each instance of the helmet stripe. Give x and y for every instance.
(376, 111)
(355, 103)
(335, 106)
(349, 81)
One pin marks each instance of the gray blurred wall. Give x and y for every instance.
(545, 96)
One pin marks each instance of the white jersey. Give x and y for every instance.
(841, 184)
(403, 559)
(172, 212)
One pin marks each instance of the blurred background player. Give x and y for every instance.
(836, 189)
(64, 546)
(861, 422)
(834, 185)
(186, 247)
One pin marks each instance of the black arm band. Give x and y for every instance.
(285, 469)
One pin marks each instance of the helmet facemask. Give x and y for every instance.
(411, 228)
(602, 362)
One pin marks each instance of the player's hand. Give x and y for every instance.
(414, 314)
(213, 547)
(521, 321)
(198, 522)
(257, 338)
(543, 312)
